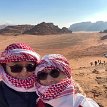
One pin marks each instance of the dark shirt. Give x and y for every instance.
(12, 98)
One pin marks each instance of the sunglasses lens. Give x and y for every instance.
(55, 73)
(42, 75)
(16, 68)
(31, 67)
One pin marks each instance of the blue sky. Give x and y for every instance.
(60, 12)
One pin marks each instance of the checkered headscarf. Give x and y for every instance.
(50, 92)
(19, 52)
(57, 61)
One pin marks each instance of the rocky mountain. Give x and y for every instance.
(15, 29)
(89, 26)
(104, 31)
(39, 29)
(3, 26)
(104, 37)
(46, 29)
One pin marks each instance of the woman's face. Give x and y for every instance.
(50, 77)
(20, 70)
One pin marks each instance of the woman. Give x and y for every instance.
(17, 64)
(55, 84)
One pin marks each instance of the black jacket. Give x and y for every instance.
(12, 98)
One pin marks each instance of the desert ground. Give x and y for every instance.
(82, 50)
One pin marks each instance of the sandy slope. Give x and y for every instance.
(80, 49)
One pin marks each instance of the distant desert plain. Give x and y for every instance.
(85, 52)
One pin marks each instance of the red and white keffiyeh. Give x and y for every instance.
(62, 88)
(50, 92)
(22, 85)
(19, 52)
(63, 93)
(55, 61)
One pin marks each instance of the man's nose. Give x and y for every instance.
(24, 71)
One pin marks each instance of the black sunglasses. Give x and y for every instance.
(42, 75)
(18, 68)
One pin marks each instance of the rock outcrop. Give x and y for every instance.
(46, 29)
(39, 29)
(89, 26)
(16, 29)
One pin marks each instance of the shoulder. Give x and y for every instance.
(88, 102)
(84, 101)
(79, 98)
